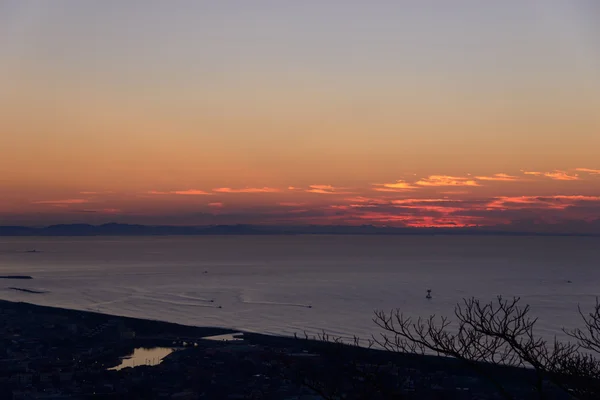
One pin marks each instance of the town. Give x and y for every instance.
(52, 353)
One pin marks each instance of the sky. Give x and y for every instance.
(396, 113)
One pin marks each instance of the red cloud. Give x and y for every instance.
(157, 192)
(326, 189)
(191, 192)
(533, 173)
(413, 201)
(445, 180)
(557, 175)
(62, 202)
(216, 205)
(589, 171)
(498, 177)
(398, 186)
(422, 221)
(454, 192)
(246, 190)
(561, 176)
(433, 205)
(188, 192)
(559, 202)
(369, 200)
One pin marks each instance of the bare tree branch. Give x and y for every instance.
(500, 332)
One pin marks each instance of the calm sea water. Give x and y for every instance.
(266, 284)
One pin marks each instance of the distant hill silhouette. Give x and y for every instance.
(115, 229)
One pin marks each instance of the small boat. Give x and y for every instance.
(428, 294)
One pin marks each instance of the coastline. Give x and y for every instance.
(149, 326)
(156, 332)
(98, 352)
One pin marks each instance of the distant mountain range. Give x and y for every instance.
(114, 229)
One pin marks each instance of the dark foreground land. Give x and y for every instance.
(53, 353)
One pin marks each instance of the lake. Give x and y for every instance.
(143, 356)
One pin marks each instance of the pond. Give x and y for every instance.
(144, 356)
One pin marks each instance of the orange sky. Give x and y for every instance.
(397, 115)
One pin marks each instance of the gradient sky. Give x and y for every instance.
(347, 112)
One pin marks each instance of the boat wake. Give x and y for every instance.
(275, 303)
(179, 303)
(95, 306)
(203, 299)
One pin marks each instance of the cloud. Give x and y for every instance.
(398, 186)
(558, 202)
(454, 192)
(577, 197)
(110, 210)
(93, 193)
(188, 192)
(557, 175)
(521, 202)
(561, 176)
(322, 187)
(533, 173)
(191, 192)
(246, 190)
(445, 180)
(588, 171)
(421, 221)
(444, 212)
(101, 210)
(418, 201)
(498, 177)
(444, 222)
(62, 202)
(367, 200)
(442, 206)
(326, 189)
(548, 213)
(156, 192)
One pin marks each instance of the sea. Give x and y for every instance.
(288, 285)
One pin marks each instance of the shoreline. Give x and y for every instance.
(146, 329)
(96, 342)
(149, 325)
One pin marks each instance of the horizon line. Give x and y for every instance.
(258, 229)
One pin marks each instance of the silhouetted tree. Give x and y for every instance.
(584, 370)
(501, 333)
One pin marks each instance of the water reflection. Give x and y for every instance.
(144, 356)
